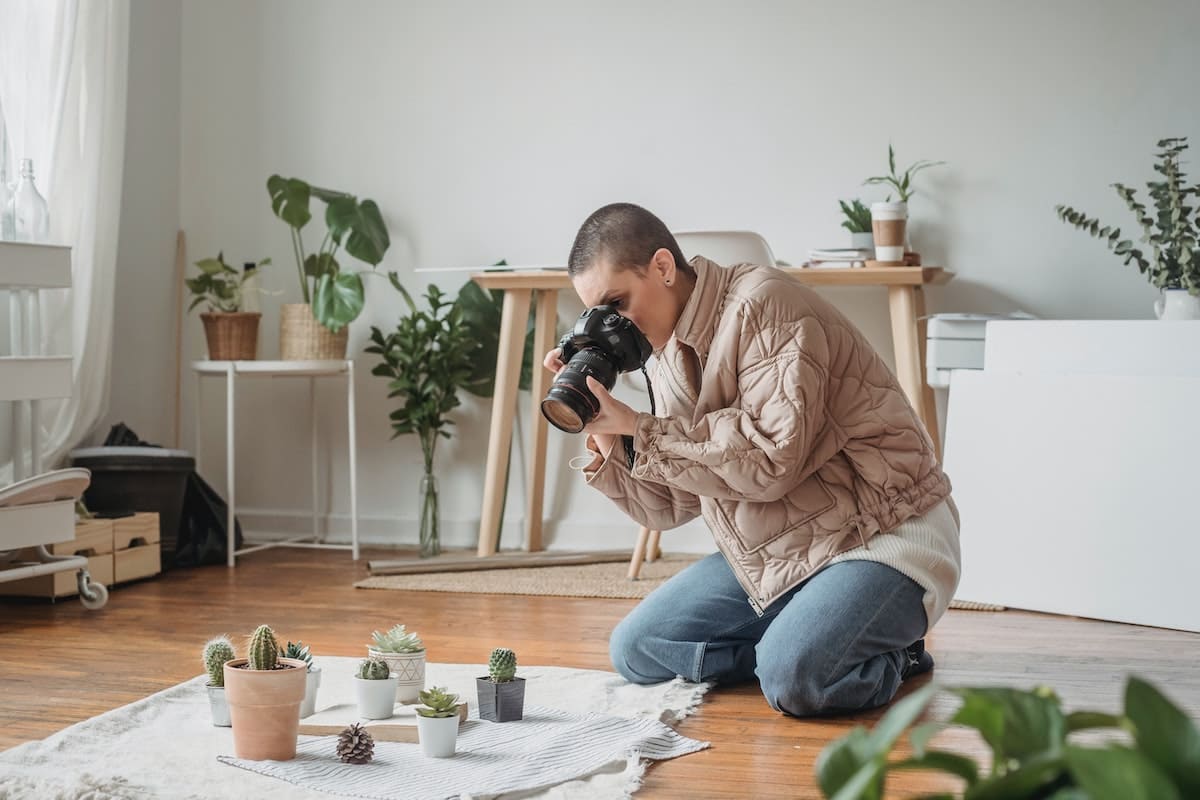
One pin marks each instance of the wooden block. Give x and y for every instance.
(61, 584)
(140, 529)
(136, 562)
(333, 720)
(92, 537)
(469, 563)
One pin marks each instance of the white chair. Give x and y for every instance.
(725, 248)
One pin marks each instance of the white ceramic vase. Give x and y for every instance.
(376, 699)
(438, 735)
(409, 670)
(1177, 304)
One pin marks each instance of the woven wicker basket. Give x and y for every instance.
(232, 336)
(302, 338)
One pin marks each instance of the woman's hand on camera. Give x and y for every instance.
(615, 418)
(553, 361)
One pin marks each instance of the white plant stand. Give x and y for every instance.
(232, 371)
(39, 507)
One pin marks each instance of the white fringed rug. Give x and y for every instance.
(166, 747)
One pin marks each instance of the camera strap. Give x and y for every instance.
(628, 440)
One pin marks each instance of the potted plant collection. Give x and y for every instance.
(333, 294)
(216, 652)
(501, 694)
(405, 656)
(375, 688)
(231, 333)
(1171, 229)
(264, 693)
(437, 722)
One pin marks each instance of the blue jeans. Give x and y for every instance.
(833, 644)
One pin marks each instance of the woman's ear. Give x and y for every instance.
(662, 266)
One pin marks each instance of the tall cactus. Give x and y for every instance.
(216, 653)
(263, 649)
(502, 666)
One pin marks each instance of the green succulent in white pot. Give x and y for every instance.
(1171, 230)
(216, 652)
(375, 688)
(301, 652)
(404, 653)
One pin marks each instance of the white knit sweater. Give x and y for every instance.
(925, 549)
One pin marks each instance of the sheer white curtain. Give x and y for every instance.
(63, 77)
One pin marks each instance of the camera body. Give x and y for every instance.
(602, 344)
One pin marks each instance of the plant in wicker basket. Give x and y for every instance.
(437, 722)
(265, 691)
(216, 652)
(232, 334)
(501, 693)
(355, 745)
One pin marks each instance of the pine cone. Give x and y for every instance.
(355, 745)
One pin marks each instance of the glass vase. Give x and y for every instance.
(430, 540)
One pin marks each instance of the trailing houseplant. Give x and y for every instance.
(889, 219)
(437, 722)
(264, 692)
(404, 653)
(1033, 755)
(428, 358)
(301, 652)
(216, 652)
(501, 692)
(1171, 229)
(231, 333)
(333, 294)
(375, 687)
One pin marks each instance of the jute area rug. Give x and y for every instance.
(586, 580)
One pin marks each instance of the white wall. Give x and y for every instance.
(489, 130)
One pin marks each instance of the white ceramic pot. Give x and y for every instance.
(438, 735)
(220, 709)
(312, 683)
(376, 699)
(1177, 304)
(865, 241)
(889, 223)
(409, 669)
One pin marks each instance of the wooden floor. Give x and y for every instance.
(60, 664)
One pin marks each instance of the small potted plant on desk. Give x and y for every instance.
(231, 333)
(858, 222)
(312, 682)
(375, 687)
(501, 693)
(437, 722)
(405, 655)
(264, 693)
(216, 653)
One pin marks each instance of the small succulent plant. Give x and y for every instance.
(262, 652)
(438, 703)
(397, 640)
(373, 669)
(298, 651)
(502, 665)
(216, 653)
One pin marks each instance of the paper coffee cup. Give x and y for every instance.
(888, 222)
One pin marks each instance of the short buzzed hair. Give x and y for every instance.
(627, 236)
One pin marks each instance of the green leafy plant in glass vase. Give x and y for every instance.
(1171, 228)
(429, 357)
(334, 295)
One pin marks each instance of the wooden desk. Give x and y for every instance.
(906, 300)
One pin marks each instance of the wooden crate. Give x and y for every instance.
(136, 545)
(94, 539)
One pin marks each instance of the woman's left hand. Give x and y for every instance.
(615, 417)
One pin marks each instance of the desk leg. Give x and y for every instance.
(196, 430)
(543, 341)
(312, 421)
(907, 304)
(350, 412)
(230, 538)
(504, 404)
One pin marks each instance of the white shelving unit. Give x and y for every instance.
(39, 507)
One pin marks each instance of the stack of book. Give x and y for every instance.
(839, 257)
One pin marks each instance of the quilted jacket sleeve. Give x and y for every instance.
(759, 448)
(654, 505)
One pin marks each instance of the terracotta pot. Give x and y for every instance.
(231, 335)
(302, 338)
(264, 706)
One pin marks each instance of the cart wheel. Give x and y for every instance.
(91, 595)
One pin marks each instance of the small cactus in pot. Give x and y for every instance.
(216, 652)
(375, 686)
(301, 652)
(264, 691)
(437, 722)
(404, 652)
(501, 693)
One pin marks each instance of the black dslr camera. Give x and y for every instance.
(603, 345)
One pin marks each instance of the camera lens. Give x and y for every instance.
(569, 405)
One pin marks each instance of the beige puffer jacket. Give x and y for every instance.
(779, 424)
